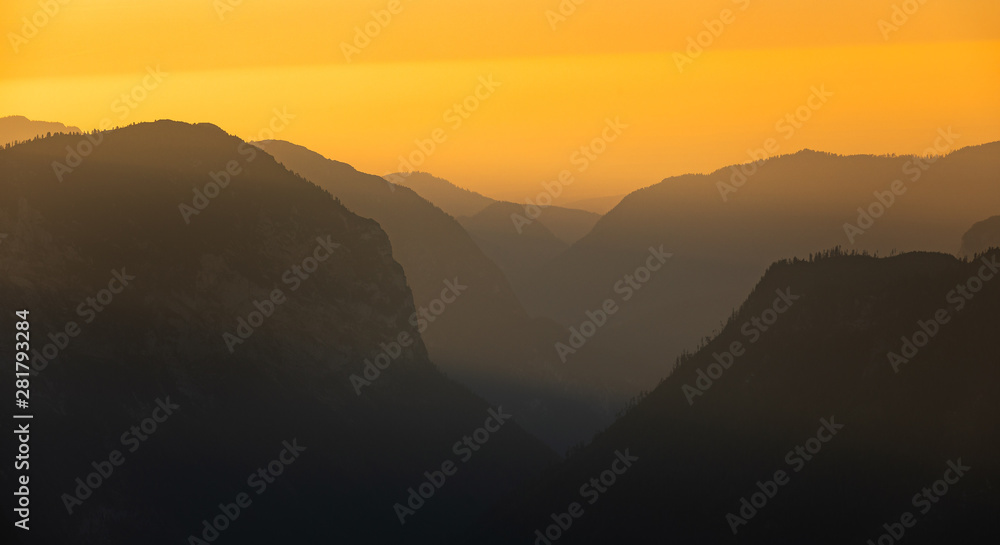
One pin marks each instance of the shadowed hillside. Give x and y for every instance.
(597, 205)
(235, 316)
(518, 249)
(864, 381)
(523, 240)
(981, 237)
(483, 338)
(454, 200)
(724, 228)
(520, 239)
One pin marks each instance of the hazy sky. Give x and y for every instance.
(883, 89)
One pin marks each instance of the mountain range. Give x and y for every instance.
(981, 237)
(484, 338)
(17, 128)
(722, 241)
(180, 274)
(783, 351)
(868, 396)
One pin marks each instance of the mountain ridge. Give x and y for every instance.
(824, 362)
(250, 318)
(484, 339)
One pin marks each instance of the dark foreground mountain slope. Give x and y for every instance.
(787, 206)
(484, 338)
(269, 251)
(981, 237)
(820, 379)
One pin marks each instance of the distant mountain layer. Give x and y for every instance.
(598, 205)
(567, 224)
(16, 128)
(982, 236)
(518, 248)
(182, 275)
(844, 393)
(723, 229)
(483, 338)
(445, 195)
(523, 239)
(519, 239)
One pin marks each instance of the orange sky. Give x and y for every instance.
(557, 86)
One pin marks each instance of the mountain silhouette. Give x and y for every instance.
(981, 237)
(567, 224)
(597, 205)
(523, 239)
(178, 272)
(518, 238)
(483, 339)
(722, 241)
(517, 249)
(874, 431)
(17, 128)
(447, 196)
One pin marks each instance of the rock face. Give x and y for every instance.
(864, 381)
(196, 325)
(981, 237)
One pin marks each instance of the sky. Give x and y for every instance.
(500, 96)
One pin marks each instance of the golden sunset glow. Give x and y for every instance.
(561, 77)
